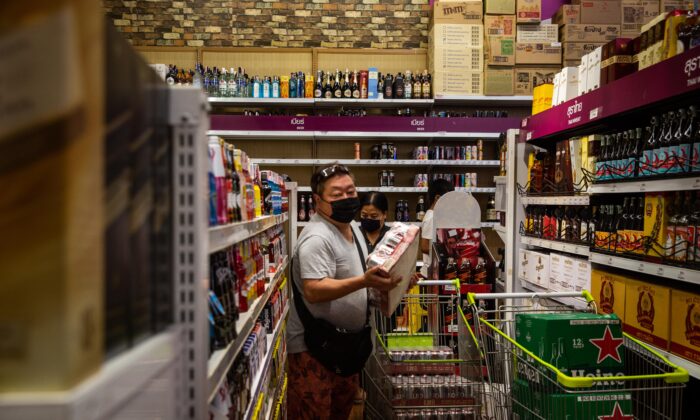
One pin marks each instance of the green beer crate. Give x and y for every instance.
(578, 344)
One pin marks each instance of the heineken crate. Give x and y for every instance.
(576, 343)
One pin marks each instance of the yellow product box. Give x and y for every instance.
(526, 78)
(458, 83)
(647, 312)
(656, 207)
(502, 25)
(542, 98)
(685, 325)
(588, 33)
(537, 53)
(500, 51)
(450, 35)
(608, 290)
(528, 11)
(467, 12)
(567, 13)
(499, 7)
(499, 81)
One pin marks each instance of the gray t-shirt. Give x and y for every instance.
(322, 251)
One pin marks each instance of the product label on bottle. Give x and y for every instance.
(356, 94)
(695, 157)
(275, 90)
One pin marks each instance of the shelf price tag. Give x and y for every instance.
(528, 136)
(660, 271)
(681, 275)
(641, 267)
(593, 114)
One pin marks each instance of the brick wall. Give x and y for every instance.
(316, 23)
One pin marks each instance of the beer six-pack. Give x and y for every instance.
(579, 345)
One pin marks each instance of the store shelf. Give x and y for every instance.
(562, 200)
(374, 103)
(581, 250)
(483, 100)
(262, 370)
(221, 360)
(661, 83)
(359, 127)
(483, 224)
(501, 230)
(692, 368)
(573, 302)
(376, 162)
(107, 392)
(224, 236)
(685, 275)
(655, 185)
(282, 102)
(410, 189)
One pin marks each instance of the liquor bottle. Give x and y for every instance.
(398, 212)
(347, 89)
(380, 86)
(580, 221)
(426, 89)
(417, 86)
(675, 212)
(528, 225)
(639, 226)
(406, 215)
(621, 229)
(465, 272)
(407, 85)
(312, 208)
(301, 216)
(636, 153)
(293, 85)
(661, 151)
(694, 232)
(364, 77)
(318, 92)
(536, 176)
(328, 89)
(479, 275)
(276, 87)
(503, 157)
(355, 87)
(337, 91)
(256, 87)
(649, 148)
(214, 83)
(266, 87)
(388, 87)
(197, 78)
(559, 223)
(450, 269)
(573, 224)
(301, 85)
(232, 84)
(491, 209)
(399, 86)
(682, 231)
(223, 83)
(308, 86)
(420, 209)
(685, 141)
(692, 133)
(601, 162)
(591, 218)
(678, 162)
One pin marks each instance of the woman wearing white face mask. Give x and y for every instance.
(373, 218)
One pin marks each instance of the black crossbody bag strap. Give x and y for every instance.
(304, 314)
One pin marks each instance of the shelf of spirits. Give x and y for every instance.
(411, 189)
(221, 360)
(667, 81)
(221, 237)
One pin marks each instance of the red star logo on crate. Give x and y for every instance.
(617, 414)
(608, 346)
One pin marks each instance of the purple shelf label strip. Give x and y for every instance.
(675, 76)
(362, 124)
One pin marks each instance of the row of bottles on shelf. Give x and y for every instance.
(362, 85)
(467, 152)
(236, 393)
(552, 172)
(238, 276)
(465, 180)
(661, 226)
(559, 223)
(362, 112)
(464, 271)
(668, 145)
(307, 207)
(238, 189)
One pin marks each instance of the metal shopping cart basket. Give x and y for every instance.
(526, 385)
(426, 364)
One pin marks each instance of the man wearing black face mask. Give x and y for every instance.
(327, 270)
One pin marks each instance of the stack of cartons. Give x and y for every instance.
(537, 48)
(500, 53)
(634, 14)
(585, 26)
(456, 48)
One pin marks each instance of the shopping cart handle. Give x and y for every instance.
(438, 283)
(473, 297)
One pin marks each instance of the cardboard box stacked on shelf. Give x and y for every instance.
(456, 48)
(499, 42)
(585, 26)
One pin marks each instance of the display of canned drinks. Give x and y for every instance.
(384, 151)
(431, 353)
(419, 387)
(420, 153)
(469, 152)
(420, 180)
(465, 180)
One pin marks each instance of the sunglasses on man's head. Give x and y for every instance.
(332, 170)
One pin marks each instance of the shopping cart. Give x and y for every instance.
(522, 385)
(426, 364)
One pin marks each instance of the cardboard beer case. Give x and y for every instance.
(608, 290)
(685, 325)
(647, 312)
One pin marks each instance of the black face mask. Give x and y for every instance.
(343, 211)
(370, 225)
